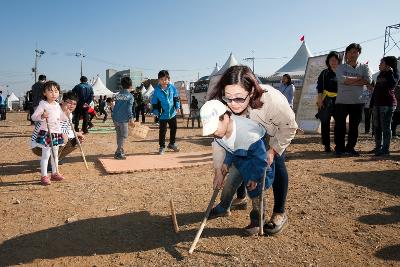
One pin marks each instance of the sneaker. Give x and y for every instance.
(274, 228)
(239, 204)
(218, 211)
(352, 153)
(161, 151)
(119, 156)
(173, 147)
(44, 180)
(56, 177)
(252, 229)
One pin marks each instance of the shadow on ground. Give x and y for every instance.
(386, 181)
(127, 233)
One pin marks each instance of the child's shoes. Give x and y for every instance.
(44, 180)
(56, 177)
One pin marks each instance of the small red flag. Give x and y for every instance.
(302, 38)
(367, 62)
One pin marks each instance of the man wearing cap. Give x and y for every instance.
(37, 91)
(84, 92)
(243, 142)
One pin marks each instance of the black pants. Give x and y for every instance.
(102, 111)
(367, 119)
(140, 110)
(3, 113)
(395, 121)
(354, 111)
(81, 112)
(163, 130)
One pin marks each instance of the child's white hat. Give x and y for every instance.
(210, 113)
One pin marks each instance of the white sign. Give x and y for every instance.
(307, 106)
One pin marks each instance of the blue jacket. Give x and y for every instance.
(122, 111)
(249, 153)
(84, 92)
(165, 102)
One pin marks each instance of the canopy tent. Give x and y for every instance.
(214, 77)
(143, 90)
(297, 65)
(12, 100)
(149, 92)
(99, 89)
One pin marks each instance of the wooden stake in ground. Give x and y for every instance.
(203, 223)
(261, 232)
(79, 144)
(51, 145)
(173, 216)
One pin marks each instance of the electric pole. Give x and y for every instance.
(81, 56)
(251, 58)
(38, 54)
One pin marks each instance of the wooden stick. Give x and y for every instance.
(261, 232)
(173, 216)
(79, 144)
(203, 224)
(51, 145)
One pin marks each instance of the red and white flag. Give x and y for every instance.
(302, 38)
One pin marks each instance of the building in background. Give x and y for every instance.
(113, 78)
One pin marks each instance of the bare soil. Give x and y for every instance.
(342, 211)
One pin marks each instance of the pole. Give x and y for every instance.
(203, 223)
(36, 60)
(79, 143)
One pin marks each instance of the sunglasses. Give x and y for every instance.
(239, 100)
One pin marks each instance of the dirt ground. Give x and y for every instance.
(342, 211)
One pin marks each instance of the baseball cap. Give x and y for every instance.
(209, 114)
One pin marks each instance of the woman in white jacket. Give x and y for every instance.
(239, 89)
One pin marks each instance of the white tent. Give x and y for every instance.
(297, 65)
(214, 78)
(11, 100)
(99, 89)
(143, 90)
(149, 92)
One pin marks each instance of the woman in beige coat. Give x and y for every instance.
(239, 89)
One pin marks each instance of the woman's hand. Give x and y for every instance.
(270, 156)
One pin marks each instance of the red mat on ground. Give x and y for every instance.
(170, 160)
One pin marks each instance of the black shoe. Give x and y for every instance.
(339, 153)
(352, 153)
(328, 149)
(119, 156)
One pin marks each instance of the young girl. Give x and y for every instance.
(49, 110)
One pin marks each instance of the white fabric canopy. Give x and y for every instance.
(12, 98)
(149, 92)
(296, 65)
(215, 77)
(99, 89)
(143, 90)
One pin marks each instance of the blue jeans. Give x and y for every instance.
(281, 183)
(382, 119)
(234, 180)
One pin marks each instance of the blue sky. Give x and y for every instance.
(189, 36)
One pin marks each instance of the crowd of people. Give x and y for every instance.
(252, 125)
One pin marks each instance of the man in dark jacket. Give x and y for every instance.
(37, 91)
(84, 92)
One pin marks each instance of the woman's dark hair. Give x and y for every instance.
(330, 55)
(288, 78)
(243, 76)
(48, 85)
(355, 46)
(163, 73)
(391, 61)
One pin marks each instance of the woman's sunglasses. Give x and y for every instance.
(239, 100)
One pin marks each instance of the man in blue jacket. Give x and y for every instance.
(165, 102)
(84, 92)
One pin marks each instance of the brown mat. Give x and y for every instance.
(170, 160)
